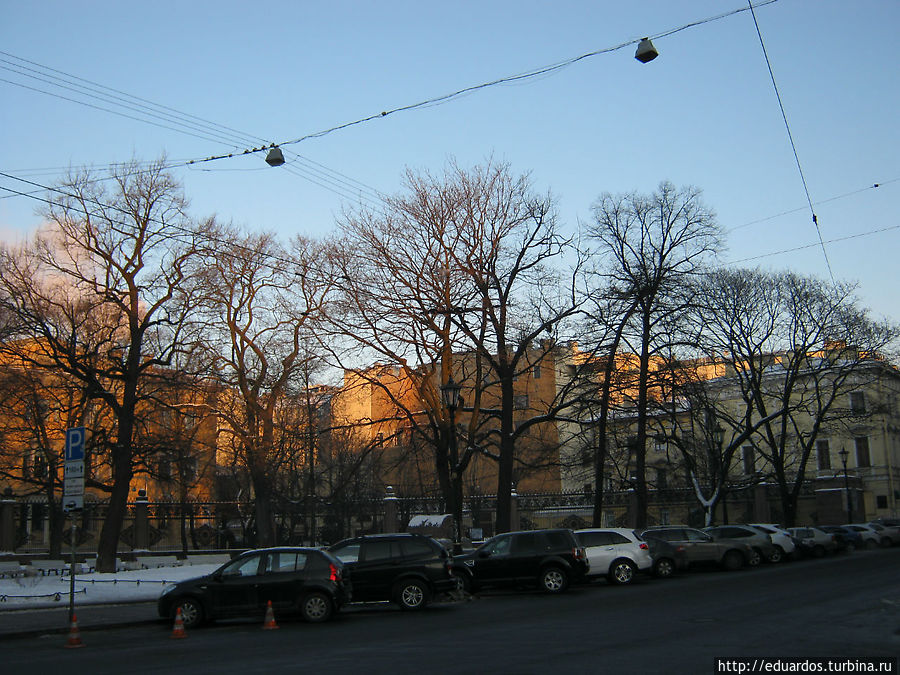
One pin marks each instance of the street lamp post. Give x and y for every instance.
(450, 396)
(843, 455)
(718, 437)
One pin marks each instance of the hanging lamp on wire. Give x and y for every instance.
(275, 157)
(646, 52)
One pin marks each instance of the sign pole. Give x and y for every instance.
(73, 497)
(72, 573)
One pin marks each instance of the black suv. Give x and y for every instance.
(408, 569)
(304, 580)
(552, 559)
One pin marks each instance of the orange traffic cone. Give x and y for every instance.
(269, 623)
(74, 640)
(178, 631)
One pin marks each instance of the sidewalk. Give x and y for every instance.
(20, 623)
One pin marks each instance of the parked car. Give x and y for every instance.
(813, 541)
(870, 538)
(701, 548)
(890, 534)
(552, 559)
(779, 536)
(846, 539)
(616, 553)
(407, 569)
(307, 581)
(668, 558)
(758, 541)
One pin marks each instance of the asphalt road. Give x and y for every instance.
(847, 606)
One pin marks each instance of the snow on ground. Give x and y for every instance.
(94, 589)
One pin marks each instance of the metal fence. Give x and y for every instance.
(222, 525)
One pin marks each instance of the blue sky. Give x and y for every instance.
(704, 113)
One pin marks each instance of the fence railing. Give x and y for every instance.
(30, 525)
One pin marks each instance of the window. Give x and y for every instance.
(662, 479)
(416, 549)
(881, 501)
(525, 543)
(619, 539)
(348, 553)
(557, 540)
(857, 403)
(285, 561)
(245, 567)
(823, 455)
(664, 516)
(378, 550)
(520, 401)
(595, 538)
(659, 444)
(536, 372)
(748, 457)
(862, 451)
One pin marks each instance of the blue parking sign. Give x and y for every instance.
(74, 443)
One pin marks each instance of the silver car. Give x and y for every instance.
(616, 553)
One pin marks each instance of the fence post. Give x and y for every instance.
(7, 521)
(514, 523)
(141, 521)
(390, 510)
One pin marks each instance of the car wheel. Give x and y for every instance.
(777, 555)
(411, 594)
(553, 580)
(316, 607)
(191, 612)
(665, 567)
(465, 581)
(621, 572)
(755, 558)
(733, 560)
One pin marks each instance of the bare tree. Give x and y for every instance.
(794, 348)
(461, 265)
(99, 296)
(655, 244)
(258, 300)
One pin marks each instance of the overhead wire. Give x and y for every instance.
(787, 126)
(164, 116)
(537, 72)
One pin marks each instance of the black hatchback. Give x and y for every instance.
(295, 580)
(407, 569)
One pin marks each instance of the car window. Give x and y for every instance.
(243, 567)
(285, 561)
(347, 553)
(557, 539)
(378, 550)
(499, 546)
(417, 549)
(617, 538)
(526, 542)
(594, 538)
(695, 535)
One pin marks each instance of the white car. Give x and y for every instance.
(780, 537)
(813, 541)
(616, 553)
(870, 538)
(888, 536)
